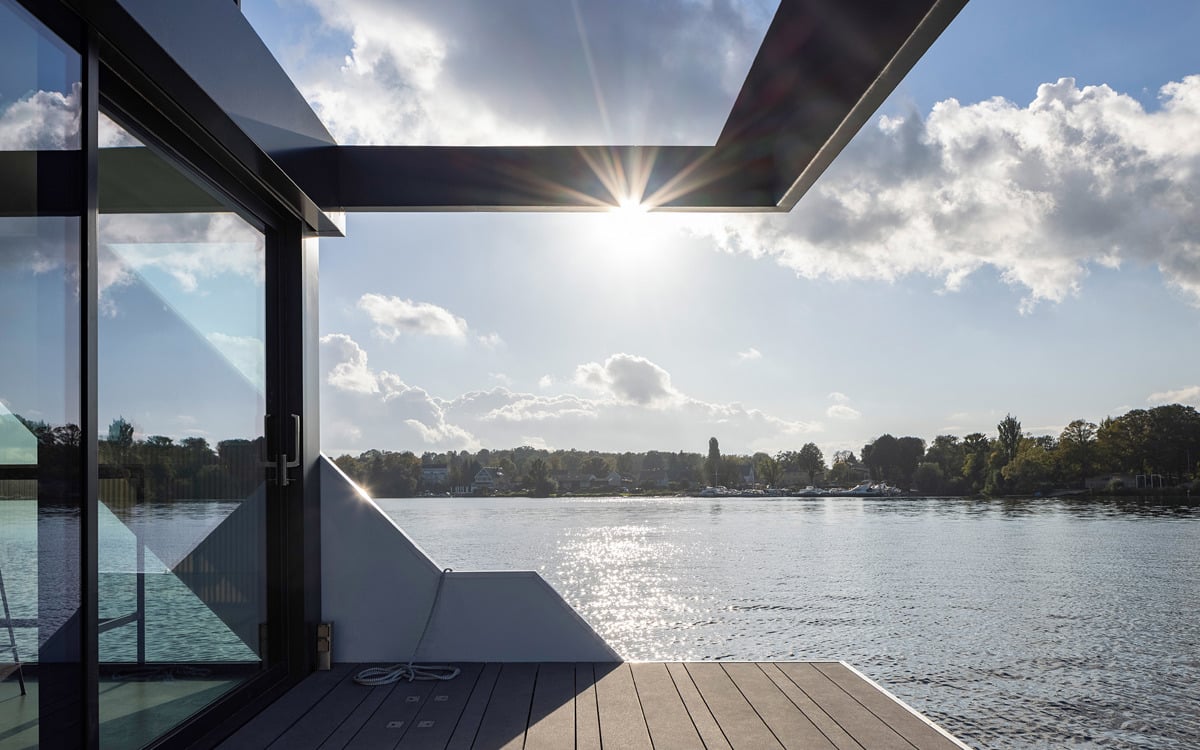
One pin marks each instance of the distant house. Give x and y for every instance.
(435, 475)
(489, 479)
(654, 479)
(748, 477)
(572, 482)
(614, 479)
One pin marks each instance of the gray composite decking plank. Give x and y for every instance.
(670, 726)
(830, 728)
(374, 697)
(865, 727)
(323, 718)
(552, 714)
(434, 724)
(889, 711)
(622, 724)
(742, 725)
(587, 719)
(394, 717)
(507, 713)
(702, 718)
(276, 718)
(788, 723)
(472, 716)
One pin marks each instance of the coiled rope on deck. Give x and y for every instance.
(387, 675)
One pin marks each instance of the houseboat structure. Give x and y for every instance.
(172, 593)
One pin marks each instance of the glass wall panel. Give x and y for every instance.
(181, 408)
(40, 455)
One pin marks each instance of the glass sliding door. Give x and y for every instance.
(181, 401)
(41, 633)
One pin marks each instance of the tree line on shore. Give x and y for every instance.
(1162, 441)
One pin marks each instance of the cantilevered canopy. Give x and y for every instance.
(824, 67)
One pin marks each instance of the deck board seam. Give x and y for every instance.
(753, 707)
(344, 719)
(705, 701)
(671, 676)
(487, 705)
(463, 711)
(596, 700)
(297, 720)
(839, 722)
(807, 718)
(817, 706)
(642, 709)
(537, 672)
(908, 708)
(851, 696)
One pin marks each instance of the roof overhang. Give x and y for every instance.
(823, 68)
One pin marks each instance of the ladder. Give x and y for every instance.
(7, 668)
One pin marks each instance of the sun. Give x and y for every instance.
(629, 233)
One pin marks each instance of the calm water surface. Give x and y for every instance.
(1028, 624)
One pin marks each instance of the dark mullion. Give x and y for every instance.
(89, 301)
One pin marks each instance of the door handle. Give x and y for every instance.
(283, 462)
(294, 461)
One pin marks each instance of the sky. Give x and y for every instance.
(1015, 231)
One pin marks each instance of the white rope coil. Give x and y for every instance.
(387, 675)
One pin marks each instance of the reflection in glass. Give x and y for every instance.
(40, 478)
(181, 403)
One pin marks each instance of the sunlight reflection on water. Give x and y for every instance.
(1014, 623)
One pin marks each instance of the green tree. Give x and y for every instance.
(811, 461)
(120, 433)
(538, 479)
(712, 465)
(1076, 447)
(976, 448)
(596, 466)
(768, 469)
(1010, 437)
(1032, 468)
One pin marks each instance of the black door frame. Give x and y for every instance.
(204, 143)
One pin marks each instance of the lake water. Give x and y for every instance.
(1014, 624)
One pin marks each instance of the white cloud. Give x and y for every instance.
(633, 406)
(1188, 396)
(1080, 177)
(841, 411)
(841, 408)
(394, 317)
(362, 408)
(189, 247)
(628, 378)
(41, 121)
(491, 340)
(349, 370)
(500, 377)
(49, 121)
(545, 381)
(430, 72)
(749, 355)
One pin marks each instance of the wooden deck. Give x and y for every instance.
(627, 706)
